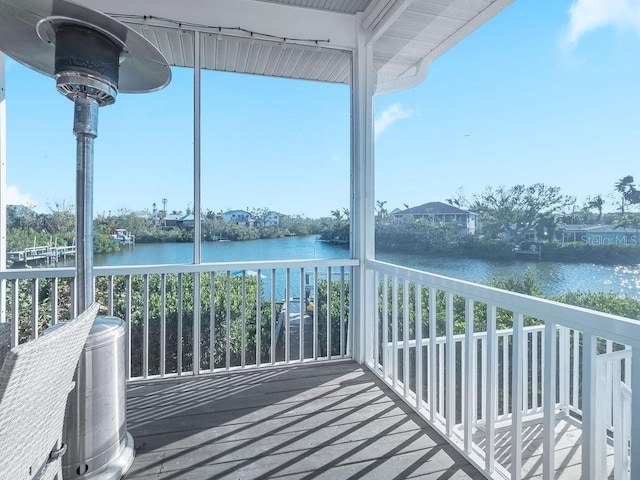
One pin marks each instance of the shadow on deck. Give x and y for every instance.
(324, 421)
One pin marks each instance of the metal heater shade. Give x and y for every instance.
(27, 34)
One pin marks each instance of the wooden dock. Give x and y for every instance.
(41, 254)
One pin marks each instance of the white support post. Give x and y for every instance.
(635, 412)
(471, 397)
(589, 394)
(3, 188)
(549, 400)
(197, 234)
(517, 400)
(362, 195)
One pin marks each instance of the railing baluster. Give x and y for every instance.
(418, 336)
(243, 318)
(490, 379)
(145, 325)
(15, 312)
(316, 337)
(471, 396)
(259, 318)
(303, 312)
(516, 398)
(564, 368)
(450, 367)
(433, 377)
(528, 339)
(273, 317)
(635, 412)
(405, 338)
(110, 295)
(287, 310)
(163, 324)
(575, 390)
(535, 362)
(394, 332)
(342, 346)
(329, 320)
(195, 325)
(385, 326)
(589, 395)
(128, 320)
(441, 380)
(505, 375)
(227, 342)
(212, 323)
(483, 372)
(378, 322)
(179, 335)
(35, 308)
(54, 301)
(549, 399)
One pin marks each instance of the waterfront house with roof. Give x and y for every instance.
(442, 213)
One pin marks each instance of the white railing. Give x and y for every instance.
(189, 319)
(451, 350)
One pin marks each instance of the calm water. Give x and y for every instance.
(555, 278)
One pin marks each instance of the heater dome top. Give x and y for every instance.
(28, 35)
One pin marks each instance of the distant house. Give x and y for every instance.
(238, 217)
(599, 235)
(439, 212)
(272, 219)
(179, 221)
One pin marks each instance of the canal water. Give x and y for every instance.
(555, 278)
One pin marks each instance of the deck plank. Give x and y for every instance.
(323, 421)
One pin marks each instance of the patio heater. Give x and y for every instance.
(92, 57)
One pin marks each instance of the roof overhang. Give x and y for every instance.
(306, 39)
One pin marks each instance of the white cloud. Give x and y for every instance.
(390, 116)
(16, 197)
(588, 15)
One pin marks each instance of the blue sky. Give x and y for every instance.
(548, 91)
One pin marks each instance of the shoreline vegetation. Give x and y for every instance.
(401, 236)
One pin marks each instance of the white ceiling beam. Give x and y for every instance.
(381, 15)
(283, 21)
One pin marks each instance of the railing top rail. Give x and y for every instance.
(604, 325)
(30, 273)
(225, 266)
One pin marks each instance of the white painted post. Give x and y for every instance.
(635, 412)
(362, 242)
(3, 188)
(418, 333)
(450, 367)
(549, 399)
(490, 404)
(394, 332)
(433, 382)
(471, 395)
(589, 394)
(516, 396)
(405, 338)
(197, 196)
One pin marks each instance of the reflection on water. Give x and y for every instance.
(555, 278)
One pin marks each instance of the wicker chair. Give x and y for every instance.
(35, 380)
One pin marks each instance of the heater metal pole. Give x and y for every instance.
(85, 128)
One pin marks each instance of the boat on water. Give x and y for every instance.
(123, 236)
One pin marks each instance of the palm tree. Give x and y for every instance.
(627, 190)
(597, 202)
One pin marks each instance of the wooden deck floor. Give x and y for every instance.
(333, 421)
